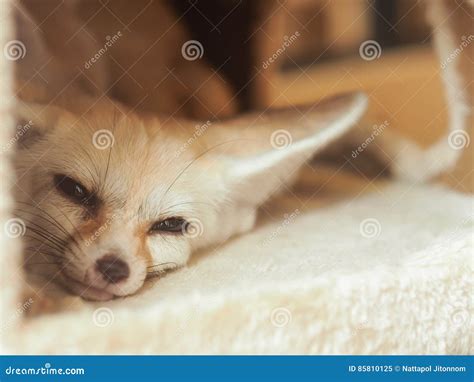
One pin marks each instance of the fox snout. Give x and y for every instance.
(112, 269)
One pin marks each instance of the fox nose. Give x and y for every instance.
(112, 268)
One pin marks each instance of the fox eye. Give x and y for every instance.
(73, 190)
(171, 225)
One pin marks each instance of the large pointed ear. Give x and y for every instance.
(270, 147)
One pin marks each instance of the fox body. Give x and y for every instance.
(109, 197)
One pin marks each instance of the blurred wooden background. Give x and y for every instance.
(335, 28)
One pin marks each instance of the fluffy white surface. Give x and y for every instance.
(311, 281)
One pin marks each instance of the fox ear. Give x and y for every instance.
(275, 144)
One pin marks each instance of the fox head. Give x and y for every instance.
(110, 198)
